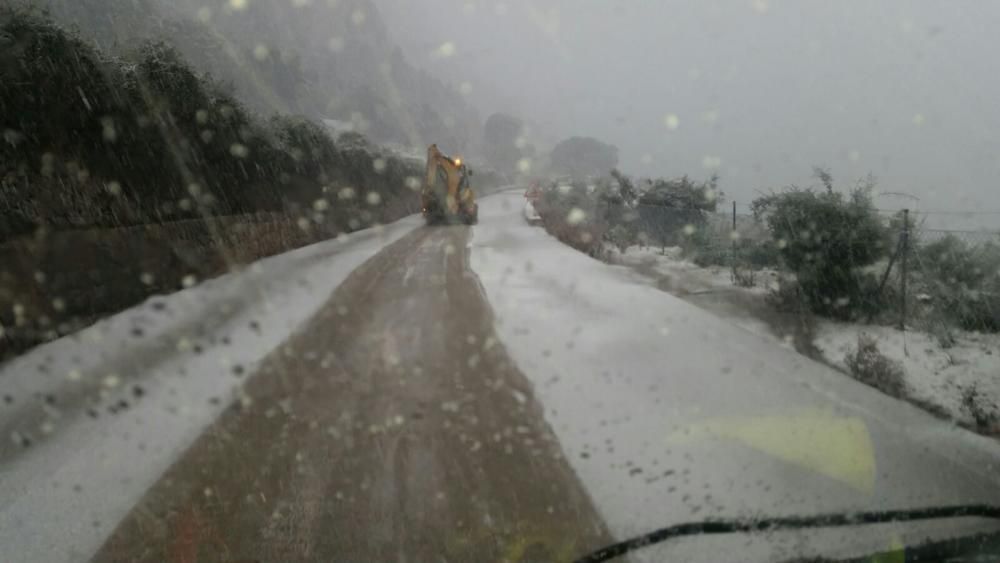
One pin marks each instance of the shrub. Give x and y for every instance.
(744, 277)
(699, 246)
(668, 210)
(979, 407)
(788, 297)
(575, 214)
(826, 239)
(758, 254)
(869, 366)
(963, 281)
(683, 193)
(706, 248)
(621, 237)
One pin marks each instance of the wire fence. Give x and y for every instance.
(955, 268)
(926, 236)
(737, 233)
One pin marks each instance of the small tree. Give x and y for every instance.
(627, 192)
(684, 193)
(583, 156)
(826, 239)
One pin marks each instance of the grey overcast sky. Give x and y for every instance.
(759, 90)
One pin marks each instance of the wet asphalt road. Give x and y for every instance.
(392, 427)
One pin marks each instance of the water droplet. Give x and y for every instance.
(238, 150)
(445, 50)
(576, 216)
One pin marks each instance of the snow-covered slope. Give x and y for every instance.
(671, 414)
(107, 410)
(934, 374)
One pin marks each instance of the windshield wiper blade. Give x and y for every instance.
(788, 523)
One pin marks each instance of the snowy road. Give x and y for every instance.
(669, 413)
(91, 420)
(463, 394)
(394, 427)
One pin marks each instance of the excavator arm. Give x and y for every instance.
(447, 195)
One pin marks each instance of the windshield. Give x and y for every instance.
(484, 280)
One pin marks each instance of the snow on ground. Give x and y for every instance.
(164, 370)
(670, 414)
(691, 278)
(934, 374)
(711, 288)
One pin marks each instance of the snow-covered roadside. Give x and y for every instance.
(934, 375)
(712, 288)
(690, 277)
(164, 370)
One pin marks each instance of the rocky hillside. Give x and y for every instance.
(321, 59)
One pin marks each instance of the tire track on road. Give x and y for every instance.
(394, 427)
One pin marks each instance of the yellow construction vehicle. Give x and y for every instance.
(446, 195)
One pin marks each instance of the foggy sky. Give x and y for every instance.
(764, 90)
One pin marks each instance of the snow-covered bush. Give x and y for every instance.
(744, 277)
(621, 237)
(788, 297)
(675, 212)
(868, 365)
(962, 281)
(575, 213)
(980, 408)
(826, 239)
(683, 193)
(704, 249)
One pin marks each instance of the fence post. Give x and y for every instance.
(732, 237)
(905, 246)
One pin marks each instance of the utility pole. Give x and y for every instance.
(905, 245)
